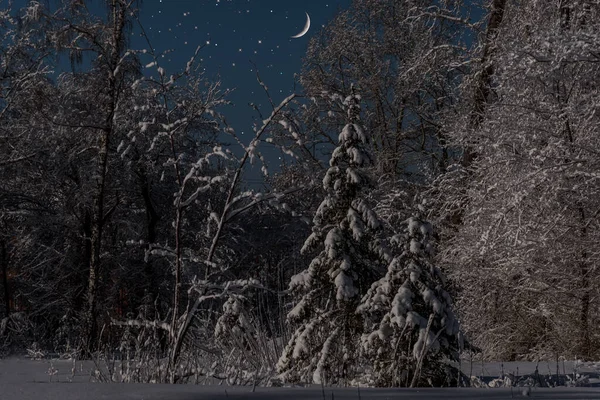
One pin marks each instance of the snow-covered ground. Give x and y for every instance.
(574, 373)
(114, 391)
(24, 379)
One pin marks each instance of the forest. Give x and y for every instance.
(439, 197)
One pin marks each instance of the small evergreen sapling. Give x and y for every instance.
(411, 331)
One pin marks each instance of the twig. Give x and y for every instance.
(417, 374)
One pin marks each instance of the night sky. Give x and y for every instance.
(237, 35)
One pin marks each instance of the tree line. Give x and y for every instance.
(438, 196)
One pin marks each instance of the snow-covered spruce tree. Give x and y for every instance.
(324, 346)
(411, 331)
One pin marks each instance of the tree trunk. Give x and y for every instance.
(152, 219)
(4, 266)
(483, 84)
(177, 292)
(584, 345)
(119, 10)
(96, 242)
(482, 90)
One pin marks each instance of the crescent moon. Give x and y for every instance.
(305, 29)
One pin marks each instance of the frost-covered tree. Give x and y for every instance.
(112, 70)
(465, 117)
(403, 56)
(324, 345)
(411, 331)
(25, 235)
(526, 254)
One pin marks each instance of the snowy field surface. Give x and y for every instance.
(24, 379)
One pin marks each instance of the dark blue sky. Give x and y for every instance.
(236, 35)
